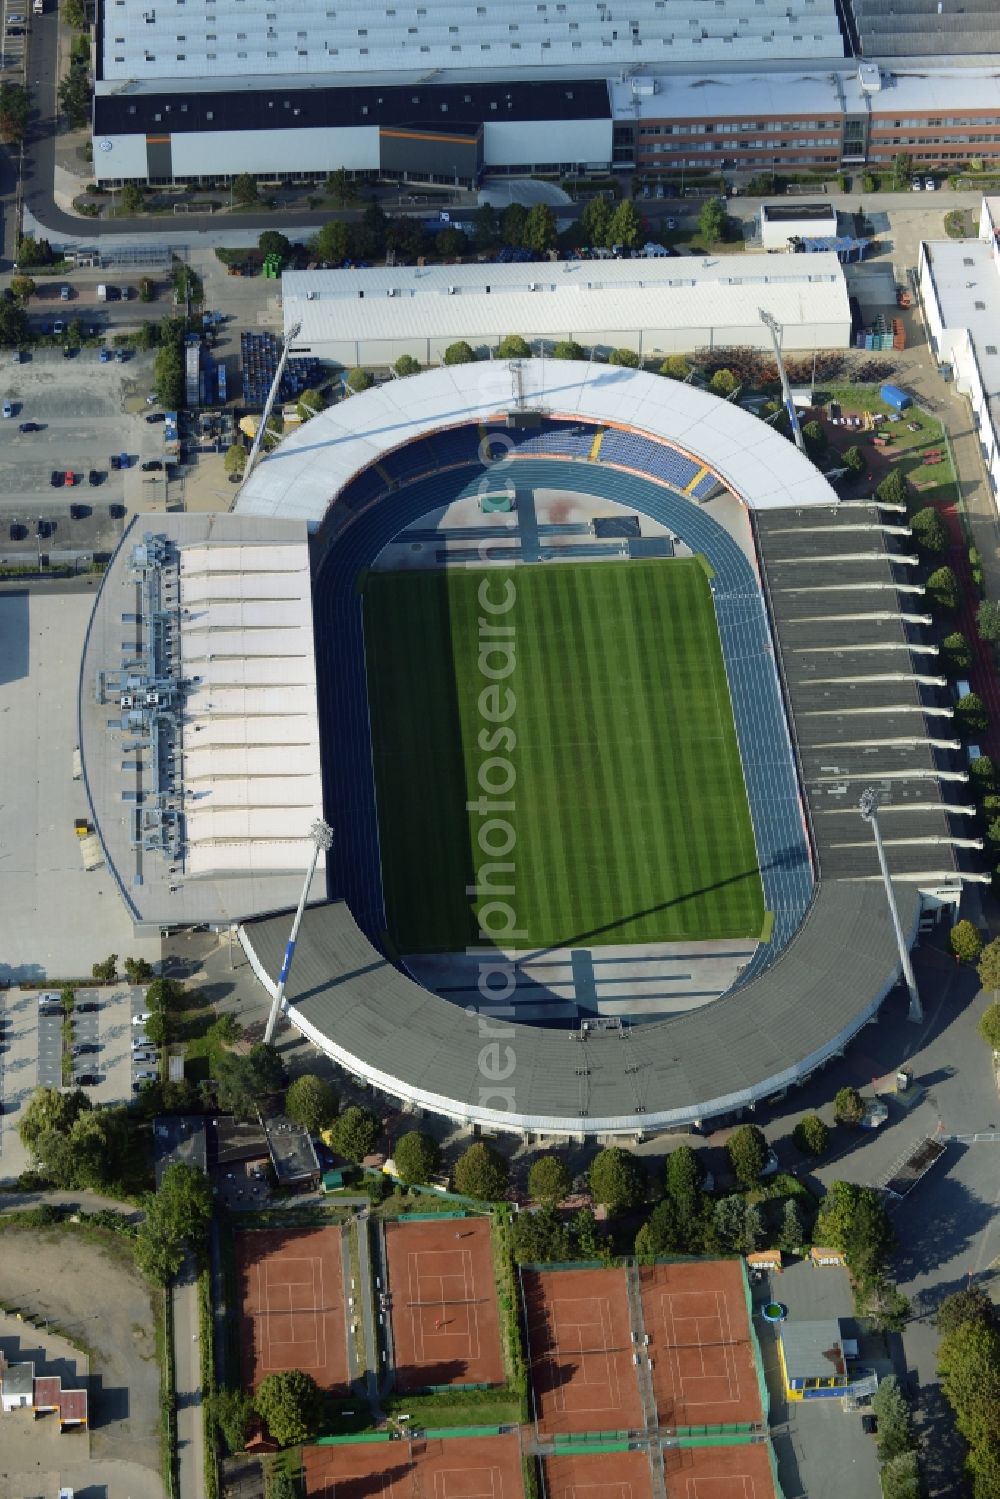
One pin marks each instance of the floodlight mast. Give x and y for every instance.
(868, 807)
(771, 324)
(322, 839)
(272, 396)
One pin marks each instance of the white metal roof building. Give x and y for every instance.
(306, 472)
(216, 640)
(960, 291)
(653, 307)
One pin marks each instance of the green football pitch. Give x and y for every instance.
(602, 727)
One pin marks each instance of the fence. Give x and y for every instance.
(560, 1449)
(358, 1436)
(440, 1432)
(765, 1399)
(453, 1389)
(573, 1440)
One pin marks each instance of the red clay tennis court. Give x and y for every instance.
(292, 1313)
(602, 1475)
(459, 1468)
(742, 1472)
(700, 1344)
(443, 1302)
(580, 1349)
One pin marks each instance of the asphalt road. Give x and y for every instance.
(187, 1383)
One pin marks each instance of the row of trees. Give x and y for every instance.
(72, 1144)
(969, 1366)
(176, 1220)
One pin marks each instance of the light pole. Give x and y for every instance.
(322, 839)
(868, 807)
(771, 324)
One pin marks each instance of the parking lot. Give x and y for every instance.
(31, 1055)
(82, 414)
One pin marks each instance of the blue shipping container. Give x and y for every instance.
(896, 398)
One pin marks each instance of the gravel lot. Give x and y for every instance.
(90, 1292)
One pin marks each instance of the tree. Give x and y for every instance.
(513, 223)
(957, 652)
(158, 1028)
(747, 1151)
(675, 367)
(540, 1238)
(663, 1232)
(156, 1258)
(588, 1244)
(626, 227)
(132, 199)
(50, 1110)
(74, 13)
(407, 365)
(271, 242)
(895, 1419)
(290, 1403)
(971, 1304)
(853, 1220)
(792, 1234)
(729, 1218)
(626, 358)
(235, 460)
(969, 1366)
(943, 590)
(31, 251)
(486, 227)
(723, 383)
(15, 111)
(901, 1478)
(340, 188)
(236, 1086)
(311, 1102)
(356, 1133)
(617, 1179)
(232, 1411)
(712, 221)
(332, 242)
(183, 1204)
(168, 373)
(989, 965)
(138, 971)
(855, 460)
(893, 489)
(359, 380)
(815, 436)
(684, 1178)
(549, 1180)
(23, 287)
(988, 620)
(513, 347)
(147, 289)
(754, 1231)
(811, 1135)
(482, 1172)
(309, 404)
(540, 229)
(970, 713)
(450, 242)
(244, 188)
(989, 1025)
(567, 349)
(848, 1106)
(75, 94)
(106, 971)
(459, 353)
(417, 1157)
(928, 530)
(901, 169)
(595, 221)
(982, 774)
(965, 941)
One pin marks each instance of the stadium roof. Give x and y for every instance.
(902, 28)
(774, 1030)
(236, 754)
(613, 297)
(306, 472)
(247, 40)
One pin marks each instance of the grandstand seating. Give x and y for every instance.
(654, 458)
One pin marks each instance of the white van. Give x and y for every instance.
(49, 999)
(973, 752)
(962, 689)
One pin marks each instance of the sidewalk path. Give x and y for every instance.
(187, 1383)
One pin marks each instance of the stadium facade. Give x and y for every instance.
(447, 93)
(842, 654)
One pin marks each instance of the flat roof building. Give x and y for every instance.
(653, 307)
(179, 1139)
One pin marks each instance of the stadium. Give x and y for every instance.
(602, 667)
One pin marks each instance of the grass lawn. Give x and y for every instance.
(930, 481)
(621, 724)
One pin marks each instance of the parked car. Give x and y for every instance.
(86, 1006)
(15, 358)
(141, 1019)
(144, 1059)
(17, 531)
(58, 326)
(115, 462)
(95, 476)
(869, 1424)
(930, 186)
(104, 356)
(86, 1079)
(770, 1166)
(43, 528)
(30, 427)
(151, 465)
(56, 478)
(147, 1075)
(77, 512)
(64, 293)
(8, 408)
(156, 416)
(70, 478)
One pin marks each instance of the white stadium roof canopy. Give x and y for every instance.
(302, 477)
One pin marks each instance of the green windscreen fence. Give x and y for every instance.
(765, 1399)
(440, 1432)
(354, 1439)
(560, 1449)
